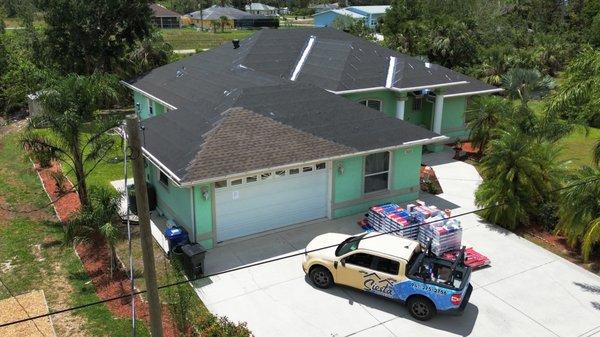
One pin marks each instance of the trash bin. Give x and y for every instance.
(193, 259)
(176, 236)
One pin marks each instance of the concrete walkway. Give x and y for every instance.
(458, 179)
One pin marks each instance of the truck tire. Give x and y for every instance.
(321, 277)
(421, 308)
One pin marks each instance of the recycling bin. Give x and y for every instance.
(193, 259)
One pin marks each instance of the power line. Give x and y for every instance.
(259, 263)
(22, 307)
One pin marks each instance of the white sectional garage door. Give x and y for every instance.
(272, 200)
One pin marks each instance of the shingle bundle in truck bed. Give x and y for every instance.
(446, 234)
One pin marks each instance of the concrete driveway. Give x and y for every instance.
(527, 291)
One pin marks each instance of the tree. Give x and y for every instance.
(577, 97)
(343, 22)
(453, 43)
(97, 220)
(580, 209)
(223, 20)
(149, 53)
(403, 28)
(89, 36)
(596, 153)
(519, 176)
(215, 25)
(485, 117)
(526, 84)
(494, 64)
(76, 133)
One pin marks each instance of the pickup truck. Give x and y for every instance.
(393, 267)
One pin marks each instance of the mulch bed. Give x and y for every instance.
(428, 180)
(95, 257)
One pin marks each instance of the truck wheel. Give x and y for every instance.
(321, 277)
(421, 308)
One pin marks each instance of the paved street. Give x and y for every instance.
(527, 291)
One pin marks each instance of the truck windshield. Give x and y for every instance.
(349, 245)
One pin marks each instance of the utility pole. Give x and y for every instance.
(141, 197)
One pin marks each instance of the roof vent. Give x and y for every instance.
(236, 43)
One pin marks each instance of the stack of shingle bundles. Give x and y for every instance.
(446, 234)
(402, 223)
(377, 214)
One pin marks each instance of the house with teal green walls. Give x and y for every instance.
(289, 127)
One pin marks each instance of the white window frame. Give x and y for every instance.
(367, 100)
(389, 171)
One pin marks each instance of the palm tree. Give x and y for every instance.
(215, 25)
(577, 97)
(518, 177)
(97, 220)
(579, 210)
(526, 84)
(484, 117)
(76, 133)
(223, 20)
(494, 65)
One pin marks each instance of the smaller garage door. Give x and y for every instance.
(254, 204)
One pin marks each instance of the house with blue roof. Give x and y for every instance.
(370, 14)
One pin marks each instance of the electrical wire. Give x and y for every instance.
(22, 307)
(263, 262)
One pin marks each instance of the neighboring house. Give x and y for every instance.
(236, 17)
(165, 18)
(370, 14)
(324, 7)
(326, 19)
(292, 126)
(261, 9)
(283, 11)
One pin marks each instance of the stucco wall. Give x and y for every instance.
(204, 214)
(387, 97)
(348, 195)
(453, 121)
(144, 107)
(175, 202)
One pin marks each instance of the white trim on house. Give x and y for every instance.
(390, 74)
(480, 92)
(154, 98)
(429, 86)
(303, 58)
(162, 167)
(425, 141)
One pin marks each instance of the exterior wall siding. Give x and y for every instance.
(387, 98)
(175, 202)
(325, 19)
(204, 214)
(144, 106)
(348, 195)
(453, 121)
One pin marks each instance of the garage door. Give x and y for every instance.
(254, 204)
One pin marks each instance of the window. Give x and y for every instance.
(377, 166)
(417, 103)
(349, 245)
(307, 169)
(386, 265)
(150, 107)
(221, 184)
(320, 166)
(251, 179)
(236, 182)
(360, 259)
(163, 178)
(280, 173)
(294, 171)
(372, 103)
(265, 176)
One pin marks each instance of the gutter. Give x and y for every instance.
(480, 92)
(430, 86)
(426, 141)
(162, 167)
(154, 98)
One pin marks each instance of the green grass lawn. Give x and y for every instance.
(577, 147)
(34, 257)
(189, 38)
